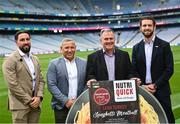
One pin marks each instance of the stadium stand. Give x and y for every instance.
(51, 21)
(173, 35)
(84, 6)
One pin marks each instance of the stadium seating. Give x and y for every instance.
(47, 43)
(83, 6)
(85, 41)
(50, 43)
(75, 15)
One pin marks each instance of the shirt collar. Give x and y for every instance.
(23, 54)
(107, 53)
(152, 41)
(66, 60)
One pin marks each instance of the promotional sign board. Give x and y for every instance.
(114, 102)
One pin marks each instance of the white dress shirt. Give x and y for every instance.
(29, 63)
(148, 52)
(72, 78)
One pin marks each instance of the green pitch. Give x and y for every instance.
(47, 115)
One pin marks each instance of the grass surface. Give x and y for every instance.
(47, 115)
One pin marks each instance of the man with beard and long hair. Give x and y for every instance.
(152, 61)
(25, 82)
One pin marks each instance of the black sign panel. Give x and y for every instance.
(114, 102)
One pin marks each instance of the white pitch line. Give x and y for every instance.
(177, 62)
(3, 94)
(175, 107)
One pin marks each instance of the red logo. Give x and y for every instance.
(101, 96)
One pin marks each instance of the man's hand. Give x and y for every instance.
(90, 81)
(35, 102)
(69, 103)
(137, 80)
(151, 88)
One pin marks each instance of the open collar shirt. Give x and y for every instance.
(72, 78)
(110, 63)
(28, 59)
(148, 52)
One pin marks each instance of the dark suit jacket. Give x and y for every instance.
(161, 64)
(96, 66)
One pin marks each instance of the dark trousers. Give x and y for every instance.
(60, 115)
(165, 101)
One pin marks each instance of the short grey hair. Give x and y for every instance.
(105, 30)
(67, 40)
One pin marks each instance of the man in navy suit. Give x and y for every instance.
(109, 63)
(66, 79)
(152, 60)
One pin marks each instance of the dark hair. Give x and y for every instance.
(105, 30)
(147, 18)
(20, 32)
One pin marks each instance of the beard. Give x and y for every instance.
(148, 34)
(25, 48)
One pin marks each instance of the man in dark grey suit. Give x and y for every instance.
(152, 60)
(109, 63)
(66, 79)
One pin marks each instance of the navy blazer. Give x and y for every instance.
(57, 80)
(96, 66)
(162, 66)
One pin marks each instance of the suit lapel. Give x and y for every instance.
(142, 52)
(155, 50)
(35, 65)
(64, 69)
(36, 72)
(118, 62)
(103, 64)
(20, 58)
(78, 70)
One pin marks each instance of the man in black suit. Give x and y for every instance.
(109, 63)
(152, 60)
